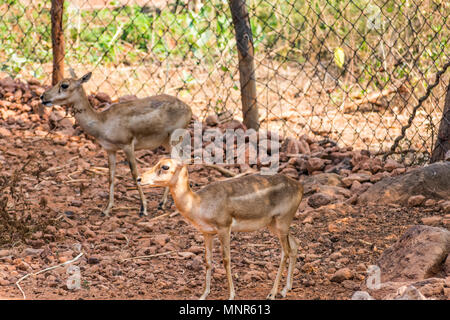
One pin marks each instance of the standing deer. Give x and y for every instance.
(241, 204)
(128, 126)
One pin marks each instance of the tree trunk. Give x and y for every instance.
(443, 140)
(57, 40)
(244, 42)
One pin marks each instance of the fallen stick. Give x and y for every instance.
(102, 171)
(124, 208)
(149, 256)
(44, 270)
(222, 170)
(160, 216)
(71, 174)
(243, 174)
(372, 98)
(259, 263)
(174, 214)
(77, 180)
(143, 162)
(63, 216)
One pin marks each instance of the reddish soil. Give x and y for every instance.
(61, 186)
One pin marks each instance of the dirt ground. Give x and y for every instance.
(60, 186)
(362, 234)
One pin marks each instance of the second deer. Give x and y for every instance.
(129, 126)
(241, 204)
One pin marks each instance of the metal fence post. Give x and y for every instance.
(443, 138)
(57, 11)
(244, 41)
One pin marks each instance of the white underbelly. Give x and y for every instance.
(108, 145)
(249, 225)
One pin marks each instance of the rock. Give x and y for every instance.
(197, 249)
(303, 147)
(292, 146)
(447, 293)
(290, 172)
(233, 125)
(432, 289)
(335, 255)
(408, 293)
(338, 168)
(333, 227)
(4, 253)
(446, 207)
(416, 201)
(359, 177)
(195, 264)
(33, 252)
(212, 120)
(254, 275)
(186, 254)
(311, 182)
(341, 275)
(161, 239)
(373, 165)
(338, 193)
(446, 221)
(446, 266)
(5, 132)
(308, 219)
(361, 267)
(432, 221)
(417, 255)
(430, 181)
(391, 165)
(319, 199)
(362, 295)
(93, 260)
(379, 176)
(147, 226)
(350, 284)
(314, 164)
(357, 187)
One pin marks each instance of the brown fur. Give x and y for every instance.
(241, 204)
(129, 126)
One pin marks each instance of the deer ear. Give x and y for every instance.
(72, 73)
(85, 78)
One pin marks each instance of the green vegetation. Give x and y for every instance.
(377, 41)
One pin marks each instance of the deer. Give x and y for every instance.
(129, 126)
(241, 204)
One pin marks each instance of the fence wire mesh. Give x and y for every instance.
(348, 70)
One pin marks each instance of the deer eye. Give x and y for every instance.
(165, 167)
(64, 85)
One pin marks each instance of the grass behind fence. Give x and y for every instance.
(380, 40)
(339, 50)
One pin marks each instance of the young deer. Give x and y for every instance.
(129, 126)
(242, 204)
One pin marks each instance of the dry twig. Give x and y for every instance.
(149, 256)
(44, 270)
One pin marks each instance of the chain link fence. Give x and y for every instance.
(348, 70)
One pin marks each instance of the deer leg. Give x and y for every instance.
(208, 262)
(112, 171)
(168, 148)
(293, 246)
(283, 237)
(162, 203)
(224, 237)
(131, 158)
